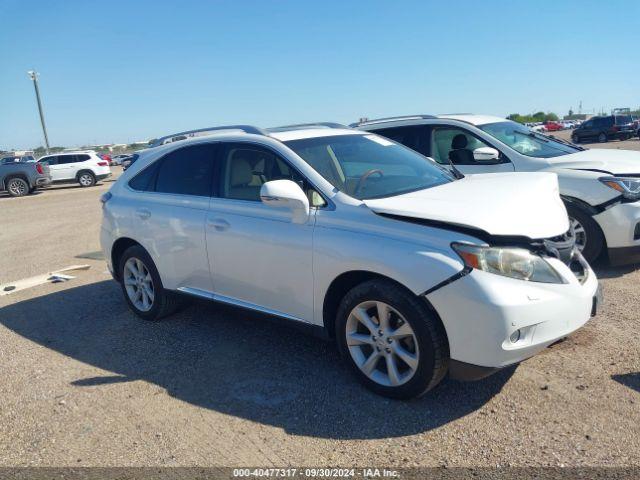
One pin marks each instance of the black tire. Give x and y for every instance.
(602, 137)
(165, 302)
(17, 187)
(625, 137)
(86, 179)
(594, 238)
(433, 360)
(575, 138)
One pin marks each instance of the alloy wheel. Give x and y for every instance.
(85, 180)
(18, 188)
(580, 234)
(382, 343)
(139, 284)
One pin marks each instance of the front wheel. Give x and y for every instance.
(589, 237)
(394, 344)
(575, 139)
(142, 287)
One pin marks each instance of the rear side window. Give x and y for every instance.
(65, 159)
(82, 158)
(145, 180)
(623, 119)
(414, 137)
(187, 171)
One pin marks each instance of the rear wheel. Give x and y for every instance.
(17, 187)
(142, 286)
(86, 179)
(589, 237)
(394, 344)
(575, 138)
(602, 138)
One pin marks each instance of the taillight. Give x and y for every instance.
(39, 168)
(103, 164)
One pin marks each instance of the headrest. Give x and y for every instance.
(241, 172)
(459, 142)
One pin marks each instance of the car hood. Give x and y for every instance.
(502, 204)
(612, 161)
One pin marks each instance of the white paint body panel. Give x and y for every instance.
(253, 255)
(500, 204)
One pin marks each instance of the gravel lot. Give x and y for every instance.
(85, 382)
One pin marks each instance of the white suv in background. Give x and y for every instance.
(415, 273)
(600, 188)
(84, 167)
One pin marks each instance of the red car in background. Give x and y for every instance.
(553, 126)
(106, 157)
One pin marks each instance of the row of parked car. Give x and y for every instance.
(553, 126)
(22, 175)
(426, 246)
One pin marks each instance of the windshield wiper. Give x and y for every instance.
(571, 144)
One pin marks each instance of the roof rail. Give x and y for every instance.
(299, 126)
(192, 133)
(392, 119)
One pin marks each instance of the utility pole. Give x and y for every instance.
(34, 76)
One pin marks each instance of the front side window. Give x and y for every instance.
(455, 145)
(53, 160)
(369, 166)
(245, 168)
(527, 142)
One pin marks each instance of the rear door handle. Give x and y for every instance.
(218, 223)
(143, 213)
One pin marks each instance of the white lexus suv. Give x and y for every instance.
(600, 188)
(414, 272)
(84, 167)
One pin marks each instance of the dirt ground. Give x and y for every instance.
(86, 383)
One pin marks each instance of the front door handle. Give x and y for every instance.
(218, 223)
(143, 213)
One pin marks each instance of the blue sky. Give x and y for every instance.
(121, 71)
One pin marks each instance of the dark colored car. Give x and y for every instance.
(603, 129)
(20, 178)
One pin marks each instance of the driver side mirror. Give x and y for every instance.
(286, 194)
(486, 154)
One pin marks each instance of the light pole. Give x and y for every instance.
(34, 76)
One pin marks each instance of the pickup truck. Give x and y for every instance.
(21, 178)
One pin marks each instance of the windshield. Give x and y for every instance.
(369, 166)
(527, 142)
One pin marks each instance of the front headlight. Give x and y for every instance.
(628, 187)
(510, 262)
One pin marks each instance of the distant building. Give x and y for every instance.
(579, 116)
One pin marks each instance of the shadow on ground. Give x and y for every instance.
(604, 270)
(631, 380)
(233, 362)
